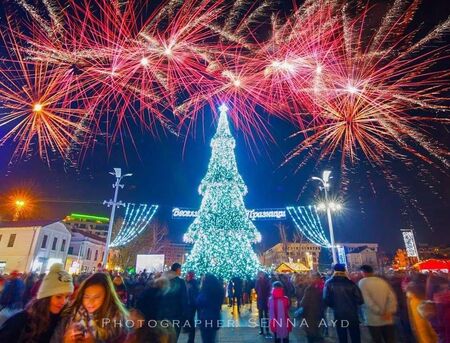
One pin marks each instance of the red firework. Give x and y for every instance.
(375, 87)
(127, 64)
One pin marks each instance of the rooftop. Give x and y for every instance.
(28, 223)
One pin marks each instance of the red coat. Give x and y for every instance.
(279, 323)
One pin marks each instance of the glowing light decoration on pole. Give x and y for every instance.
(307, 221)
(410, 243)
(137, 218)
(329, 206)
(113, 203)
(222, 232)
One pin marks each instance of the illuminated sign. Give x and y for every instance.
(262, 214)
(86, 217)
(341, 254)
(410, 243)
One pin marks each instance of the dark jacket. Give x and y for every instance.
(262, 289)
(238, 286)
(192, 288)
(149, 303)
(343, 296)
(313, 309)
(12, 294)
(174, 302)
(209, 310)
(15, 328)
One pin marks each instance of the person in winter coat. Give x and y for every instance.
(209, 305)
(11, 299)
(437, 309)
(148, 305)
(37, 285)
(29, 283)
(238, 292)
(175, 300)
(380, 305)
(120, 288)
(230, 293)
(38, 321)
(344, 297)
(192, 287)
(262, 289)
(312, 309)
(421, 327)
(279, 321)
(95, 315)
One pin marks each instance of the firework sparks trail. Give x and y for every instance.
(105, 67)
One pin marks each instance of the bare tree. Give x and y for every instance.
(147, 242)
(282, 231)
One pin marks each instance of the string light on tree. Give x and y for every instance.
(222, 232)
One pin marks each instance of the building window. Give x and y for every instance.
(55, 240)
(12, 238)
(70, 252)
(44, 242)
(63, 245)
(88, 257)
(96, 255)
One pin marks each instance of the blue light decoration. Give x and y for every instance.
(137, 218)
(342, 258)
(307, 221)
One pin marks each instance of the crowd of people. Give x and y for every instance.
(157, 307)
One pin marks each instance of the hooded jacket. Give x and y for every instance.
(279, 323)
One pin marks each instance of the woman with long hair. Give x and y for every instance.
(96, 314)
(40, 318)
(209, 305)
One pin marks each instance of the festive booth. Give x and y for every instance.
(433, 265)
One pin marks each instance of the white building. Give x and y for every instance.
(32, 245)
(85, 252)
(362, 255)
(305, 253)
(96, 225)
(349, 247)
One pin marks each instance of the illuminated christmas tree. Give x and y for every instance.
(222, 233)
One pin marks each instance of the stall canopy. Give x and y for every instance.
(433, 264)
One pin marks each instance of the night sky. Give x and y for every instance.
(168, 169)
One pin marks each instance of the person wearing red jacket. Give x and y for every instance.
(279, 321)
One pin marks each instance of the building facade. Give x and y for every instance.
(85, 252)
(95, 225)
(427, 251)
(173, 252)
(305, 253)
(32, 245)
(362, 255)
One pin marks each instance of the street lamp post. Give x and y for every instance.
(118, 174)
(325, 182)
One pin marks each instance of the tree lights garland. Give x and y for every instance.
(222, 233)
(137, 217)
(308, 223)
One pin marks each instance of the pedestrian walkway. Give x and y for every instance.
(244, 328)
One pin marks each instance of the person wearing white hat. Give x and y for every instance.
(38, 321)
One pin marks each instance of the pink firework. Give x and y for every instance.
(375, 88)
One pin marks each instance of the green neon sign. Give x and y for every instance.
(88, 217)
